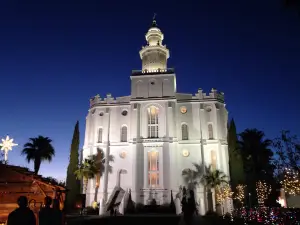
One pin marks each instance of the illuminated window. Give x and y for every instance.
(213, 159)
(124, 134)
(184, 132)
(152, 122)
(100, 135)
(210, 132)
(153, 169)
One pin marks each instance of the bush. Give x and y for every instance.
(211, 213)
(91, 211)
(157, 209)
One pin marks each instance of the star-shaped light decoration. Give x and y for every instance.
(7, 145)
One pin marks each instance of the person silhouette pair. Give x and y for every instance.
(48, 215)
(188, 206)
(25, 216)
(22, 215)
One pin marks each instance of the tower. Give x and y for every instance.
(155, 79)
(154, 55)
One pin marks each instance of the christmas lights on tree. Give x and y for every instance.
(291, 182)
(263, 191)
(219, 194)
(227, 191)
(240, 193)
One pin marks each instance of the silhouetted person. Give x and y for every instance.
(22, 215)
(46, 213)
(58, 217)
(190, 208)
(184, 200)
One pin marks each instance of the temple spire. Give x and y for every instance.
(155, 54)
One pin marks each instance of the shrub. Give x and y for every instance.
(91, 211)
(211, 213)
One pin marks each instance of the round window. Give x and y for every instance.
(185, 153)
(101, 114)
(123, 154)
(124, 112)
(183, 109)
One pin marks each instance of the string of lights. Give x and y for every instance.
(291, 182)
(268, 215)
(263, 191)
(240, 193)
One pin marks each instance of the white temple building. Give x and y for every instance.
(155, 132)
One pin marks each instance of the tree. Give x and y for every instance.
(287, 150)
(193, 177)
(237, 175)
(72, 184)
(99, 160)
(214, 179)
(257, 158)
(38, 150)
(54, 181)
(85, 171)
(292, 4)
(172, 204)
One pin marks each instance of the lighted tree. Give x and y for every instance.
(240, 194)
(291, 182)
(263, 191)
(224, 193)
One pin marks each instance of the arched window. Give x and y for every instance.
(100, 131)
(210, 132)
(185, 132)
(152, 122)
(124, 134)
(213, 158)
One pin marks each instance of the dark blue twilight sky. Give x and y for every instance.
(55, 55)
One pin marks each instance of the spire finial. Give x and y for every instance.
(154, 21)
(154, 16)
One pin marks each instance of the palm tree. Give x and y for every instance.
(257, 156)
(86, 170)
(38, 150)
(214, 179)
(99, 160)
(193, 177)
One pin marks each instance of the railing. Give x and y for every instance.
(151, 72)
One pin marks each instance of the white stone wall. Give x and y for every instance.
(146, 86)
(169, 144)
(156, 87)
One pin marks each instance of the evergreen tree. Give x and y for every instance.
(172, 204)
(72, 184)
(235, 158)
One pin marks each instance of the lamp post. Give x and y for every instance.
(6, 146)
